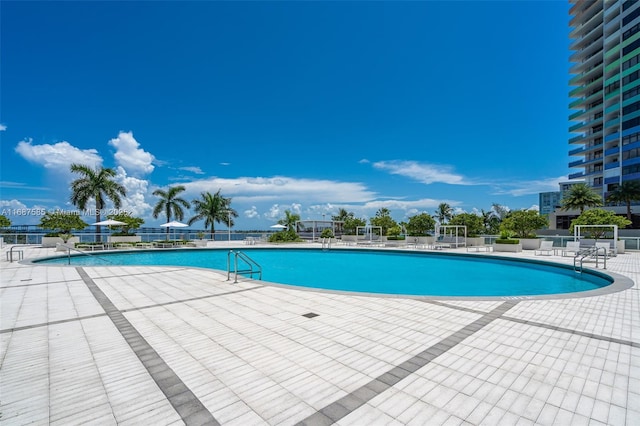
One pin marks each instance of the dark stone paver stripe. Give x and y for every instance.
(44, 324)
(186, 404)
(576, 332)
(348, 403)
(542, 325)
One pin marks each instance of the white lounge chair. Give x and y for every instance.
(573, 247)
(607, 249)
(545, 247)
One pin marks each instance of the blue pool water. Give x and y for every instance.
(399, 273)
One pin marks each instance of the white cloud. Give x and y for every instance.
(137, 191)
(520, 188)
(128, 154)
(252, 213)
(58, 156)
(3, 127)
(192, 169)
(12, 204)
(423, 172)
(275, 212)
(282, 188)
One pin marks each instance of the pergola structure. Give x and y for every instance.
(315, 227)
(442, 229)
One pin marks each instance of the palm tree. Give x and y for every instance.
(170, 203)
(96, 184)
(580, 196)
(444, 213)
(289, 220)
(213, 208)
(626, 192)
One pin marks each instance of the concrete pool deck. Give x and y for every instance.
(171, 345)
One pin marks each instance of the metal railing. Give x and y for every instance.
(588, 252)
(69, 248)
(250, 263)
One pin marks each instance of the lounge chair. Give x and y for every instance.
(607, 249)
(545, 247)
(572, 247)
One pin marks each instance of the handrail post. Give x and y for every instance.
(236, 265)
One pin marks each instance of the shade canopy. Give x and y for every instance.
(109, 222)
(278, 226)
(174, 224)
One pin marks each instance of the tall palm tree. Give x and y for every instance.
(289, 220)
(170, 203)
(580, 196)
(444, 213)
(96, 184)
(213, 208)
(626, 192)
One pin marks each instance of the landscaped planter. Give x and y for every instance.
(349, 239)
(620, 247)
(512, 248)
(199, 243)
(49, 242)
(124, 239)
(420, 240)
(475, 241)
(530, 243)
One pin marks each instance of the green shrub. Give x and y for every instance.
(507, 241)
(284, 237)
(326, 233)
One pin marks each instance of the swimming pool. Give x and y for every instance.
(379, 272)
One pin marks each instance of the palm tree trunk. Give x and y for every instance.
(629, 210)
(98, 236)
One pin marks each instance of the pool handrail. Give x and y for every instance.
(250, 263)
(69, 248)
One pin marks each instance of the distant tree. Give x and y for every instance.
(491, 222)
(500, 210)
(599, 217)
(96, 184)
(384, 220)
(473, 222)
(289, 220)
(4, 221)
(61, 222)
(129, 221)
(581, 196)
(524, 222)
(342, 216)
(627, 192)
(444, 213)
(213, 208)
(170, 203)
(351, 224)
(419, 224)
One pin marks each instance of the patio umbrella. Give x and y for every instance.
(174, 224)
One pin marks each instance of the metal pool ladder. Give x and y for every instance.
(251, 264)
(589, 252)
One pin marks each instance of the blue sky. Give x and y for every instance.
(306, 106)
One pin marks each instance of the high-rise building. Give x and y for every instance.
(605, 95)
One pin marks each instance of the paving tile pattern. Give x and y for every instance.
(249, 356)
